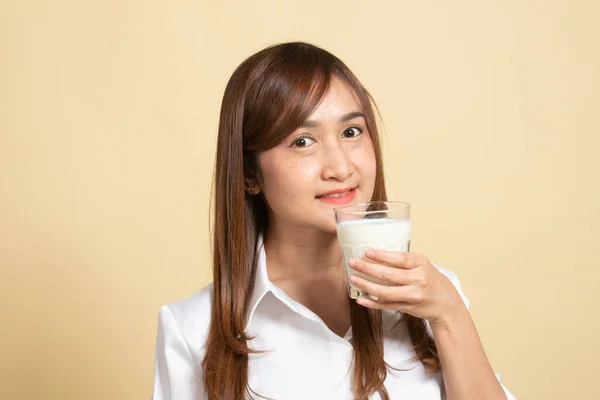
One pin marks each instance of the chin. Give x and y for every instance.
(328, 223)
(331, 228)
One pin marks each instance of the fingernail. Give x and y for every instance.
(370, 253)
(352, 278)
(352, 262)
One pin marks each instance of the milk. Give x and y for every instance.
(356, 236)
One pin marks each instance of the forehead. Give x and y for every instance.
(339, 100)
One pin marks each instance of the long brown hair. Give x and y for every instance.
(268, 96)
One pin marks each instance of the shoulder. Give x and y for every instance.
(190, 317)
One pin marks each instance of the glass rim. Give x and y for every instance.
(341, 209)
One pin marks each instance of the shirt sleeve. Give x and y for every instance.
(454, 279)
(177, 373)
(509, 395)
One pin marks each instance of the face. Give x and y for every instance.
(327, 162)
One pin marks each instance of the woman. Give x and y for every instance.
(297, 137)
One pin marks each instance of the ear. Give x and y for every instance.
(251, 186)
(252, 181)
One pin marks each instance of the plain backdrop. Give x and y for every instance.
(108, 120)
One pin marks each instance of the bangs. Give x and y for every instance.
(303, 99)
(285, 84)
(283, 94)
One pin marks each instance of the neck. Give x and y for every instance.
(297, 253)
(307, 266)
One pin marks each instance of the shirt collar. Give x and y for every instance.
(262, 286)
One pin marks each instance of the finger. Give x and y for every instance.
(383, 304)
(397, 259)
(382, 272)
(390, 293)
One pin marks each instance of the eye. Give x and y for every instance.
(303, 141)
(352, 132)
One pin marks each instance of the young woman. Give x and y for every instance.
(297, 137)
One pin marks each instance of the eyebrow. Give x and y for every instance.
(345, 118)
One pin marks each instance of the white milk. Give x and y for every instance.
(356, 236)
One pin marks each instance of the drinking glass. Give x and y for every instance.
(373, 225)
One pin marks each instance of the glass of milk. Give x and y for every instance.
(373, 225)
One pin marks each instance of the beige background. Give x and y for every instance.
(108, 116)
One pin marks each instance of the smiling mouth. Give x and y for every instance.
(335, 195)
(338, 197)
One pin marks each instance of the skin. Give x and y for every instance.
(330, 153)
(304, 257)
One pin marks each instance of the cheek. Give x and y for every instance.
(286, 179)
(367, 161)
(367, 167)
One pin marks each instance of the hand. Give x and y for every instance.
(416, 286)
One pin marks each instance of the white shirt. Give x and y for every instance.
(304, 358)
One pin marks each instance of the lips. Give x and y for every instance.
(339, 196)
(337, 192)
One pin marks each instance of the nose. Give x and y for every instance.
(336, 162)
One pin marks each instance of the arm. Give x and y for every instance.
(466, 370)
(420, 289)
